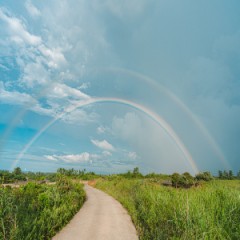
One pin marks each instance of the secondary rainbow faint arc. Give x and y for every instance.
(179, 103)
(171, 95)
(154, 116)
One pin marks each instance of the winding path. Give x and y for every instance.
(100, 218)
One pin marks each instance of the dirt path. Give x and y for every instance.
(100, 218)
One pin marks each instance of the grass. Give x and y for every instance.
(210, 211)
(38, 211)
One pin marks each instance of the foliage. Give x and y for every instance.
(185, 180)
(8, 177)
(38, 211)
(132, 174)
(226, 175)
(208, 212)
(204, 176)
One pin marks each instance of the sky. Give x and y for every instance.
(110, 85)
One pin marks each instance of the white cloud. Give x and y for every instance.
(106, 153)
(127, 127)
(34, 73)
(54, 56)
(59, 90)
(18, 31)
(51, 158)
(132, 155)
(105, 145)
(79, 117)
(154, 148)
(32, 10)
(101, 130)
(73, 158)
(14, 97)
(84, 86)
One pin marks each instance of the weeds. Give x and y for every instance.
(38, 211)
(211, 211)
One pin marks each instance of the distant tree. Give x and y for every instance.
(220, 174)
(61, 171)
(188, 179)
(136, 173)
(225, 174)
(230, 174)
(185, 180)
(175, 179)
(238, 175)
(204, 176)
(17, 171)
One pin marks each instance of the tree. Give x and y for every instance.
(205, 176)
(136, 173)
(185, 180)
(230, 174)
(175, 179)
(225, 174)
(17, 171)
(238, 175)
(220, 174)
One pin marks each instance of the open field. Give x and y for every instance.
(209, 211)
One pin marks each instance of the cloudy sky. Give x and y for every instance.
(109, 85)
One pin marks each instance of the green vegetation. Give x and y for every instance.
(77, 174)
(228, 175)
(177, 206)
(38, 211)
(209, 211)
(17, 175)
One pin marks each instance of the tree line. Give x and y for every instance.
(185, 179)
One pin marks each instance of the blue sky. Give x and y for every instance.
(165, 73)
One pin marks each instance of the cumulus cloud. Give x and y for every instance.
(32, 10)
(105, 145)
(14, 97)
(60, 90)
(84, 157)
(132, 155)
(18, 31)
(153, 148)
(54, 56)
(101, 130)
(80, 117)
(127, 127)
(107, 153)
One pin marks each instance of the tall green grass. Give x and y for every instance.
(38, 211)
(211, 211)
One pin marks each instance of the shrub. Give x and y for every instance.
(185, 180)
(205, 176)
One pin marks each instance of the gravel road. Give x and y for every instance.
(100, 218)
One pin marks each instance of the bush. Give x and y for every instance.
(185, 180)
(205, 176)
(38, 211)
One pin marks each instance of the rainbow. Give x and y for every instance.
(152, 115)
(157, 86)
(217, 150)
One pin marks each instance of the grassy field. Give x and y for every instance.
(38, 211)
(209, 211)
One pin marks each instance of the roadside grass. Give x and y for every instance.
(38, 211)
(209, 211)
